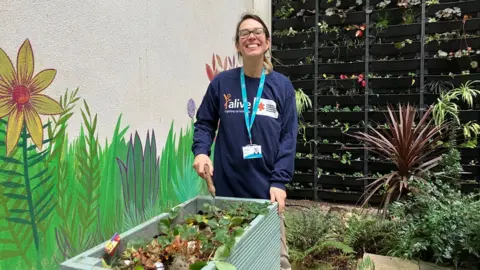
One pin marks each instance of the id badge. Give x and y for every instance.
(252, 151)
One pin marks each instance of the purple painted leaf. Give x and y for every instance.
(191, 108)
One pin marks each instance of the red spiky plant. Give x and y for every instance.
(411, 147)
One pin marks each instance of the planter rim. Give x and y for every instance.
(84, 257)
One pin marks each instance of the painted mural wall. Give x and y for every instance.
(97, 103)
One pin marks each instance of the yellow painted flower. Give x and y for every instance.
(20, 96)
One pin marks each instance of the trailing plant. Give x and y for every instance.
(410, 146)
(191, 240)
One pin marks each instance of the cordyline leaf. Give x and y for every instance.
(410, 147)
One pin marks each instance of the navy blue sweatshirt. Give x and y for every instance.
(275, 129)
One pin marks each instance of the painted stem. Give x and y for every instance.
(26, 177)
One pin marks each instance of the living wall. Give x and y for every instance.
(352, 58)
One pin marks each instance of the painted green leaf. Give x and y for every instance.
(10, 172)
(225, 266)
(42, 182)
(7, 254)
(18, 211)
(15, 196)
(8, 184)
(19, 220)
(10, 160)
(45, 215)
(40, 174)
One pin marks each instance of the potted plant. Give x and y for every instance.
(232, 233)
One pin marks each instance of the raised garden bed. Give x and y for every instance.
(254, 238)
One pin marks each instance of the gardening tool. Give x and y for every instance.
(211, 186)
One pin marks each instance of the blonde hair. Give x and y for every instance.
(267, 64)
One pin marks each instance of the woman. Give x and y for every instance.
(254, 148)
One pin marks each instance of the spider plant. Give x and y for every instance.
(303, 101)
(446, 106)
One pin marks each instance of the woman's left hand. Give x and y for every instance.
(278, 195)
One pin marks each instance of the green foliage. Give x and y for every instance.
(211, 231)
(366, 264)
(28, 193)
(110, 186)
(186, 178)
(302, 101)
(447, 108)
(440, 225)
(450, 168)
(369, 233)
(88, 173)
(411, 146)
(140, 176)
(312, 235)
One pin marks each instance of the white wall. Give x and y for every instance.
(142, 58)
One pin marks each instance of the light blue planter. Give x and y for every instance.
(258, 248)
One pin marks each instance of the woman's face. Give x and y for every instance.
(252, 41)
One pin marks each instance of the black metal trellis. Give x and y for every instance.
(374, 95)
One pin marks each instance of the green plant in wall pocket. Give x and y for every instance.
(446, 108)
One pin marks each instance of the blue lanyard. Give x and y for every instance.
(249, 122)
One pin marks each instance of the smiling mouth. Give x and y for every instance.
(252, 46)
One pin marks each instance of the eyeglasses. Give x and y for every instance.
(244, 33)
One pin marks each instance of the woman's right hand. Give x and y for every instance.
(199, 165)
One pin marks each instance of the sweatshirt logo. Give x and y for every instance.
(227, 99)
(234, 105)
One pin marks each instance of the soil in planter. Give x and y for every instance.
(194, 240)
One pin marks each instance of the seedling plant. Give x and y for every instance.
(193, 241)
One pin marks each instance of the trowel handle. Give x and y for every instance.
(211, 186)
